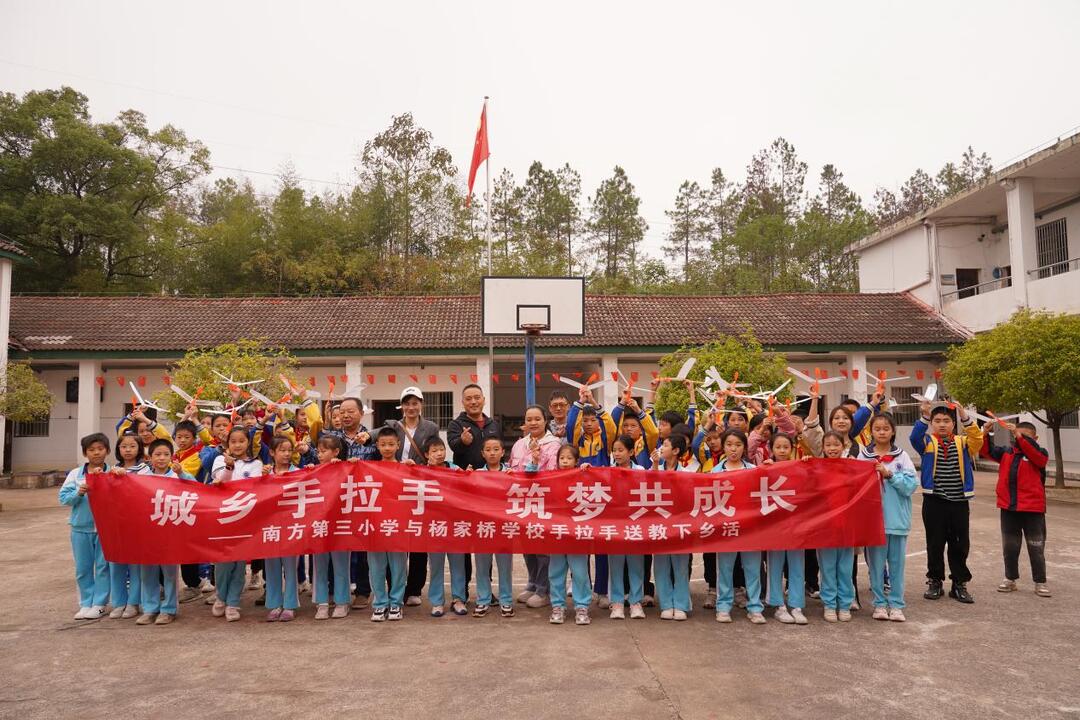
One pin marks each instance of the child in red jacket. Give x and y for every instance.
(1021, 496)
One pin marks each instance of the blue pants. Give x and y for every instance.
(378, 562)
(600, 582)
(887, 561)
(229, 581)
(537, 565)
(91, 570)
(796, 578)
(578, 566)
(459, 589)
(154, 578)
(340, 562)
(837, 590)
(505, 563)
(125, 585)
(725, 586)
(672, 581)
(278, 595)
(635, 565)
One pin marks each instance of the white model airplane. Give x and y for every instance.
(772, 393)
(296, 390)
(882, 379)
(713, 377)
(283, 403)
(684, 371)
(143, 402)
(999, 419)
(588, 384)
(815, 382)
(928, 395)
(229, 381)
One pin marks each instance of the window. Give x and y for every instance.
(907, 410)
(1052, 248)
(438, 408)
(1071, 420)
(967, 282)
(34, 428)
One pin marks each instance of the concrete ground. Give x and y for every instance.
(1006, 656)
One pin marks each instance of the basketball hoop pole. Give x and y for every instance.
(531, 333)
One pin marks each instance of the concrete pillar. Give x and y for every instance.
(483, 379)
(609, 394)
(88, 419)
(1023, 256)
(354, 370)
(5, 331)
(856, 387)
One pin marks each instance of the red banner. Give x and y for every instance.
(148, 519)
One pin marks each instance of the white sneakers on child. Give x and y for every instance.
(784, 616)
(91, 613)
(896, 615)
(800, 619)
(581, 616)
(678, 614)
(756, 618)
(637, 612)
(618, 611)
(413, 601)
(537, 601)
(130, 611)
(881, 613)
(117, 613)
(322, 611)
(830, 615)
(340, 611)
(218, 609)
(723, 617)
(844, 616)
(668, 614)
(558, 616)
(524, 596)
(1042, 590)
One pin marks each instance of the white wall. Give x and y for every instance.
(971, 246)
(897, 264)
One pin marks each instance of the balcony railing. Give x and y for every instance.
(980, 289)
(1054, 269)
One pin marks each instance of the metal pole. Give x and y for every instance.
(487, 232)
(530, 369)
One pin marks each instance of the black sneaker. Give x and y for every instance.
(480, 611)
(959, 592)
(507, 610)
(934, 590)
(395, 613)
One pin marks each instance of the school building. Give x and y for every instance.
(436, 343)
(1011, 242)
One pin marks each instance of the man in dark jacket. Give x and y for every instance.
(1021, 497)
(466, 433)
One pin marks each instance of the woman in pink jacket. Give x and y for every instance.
(537, 450)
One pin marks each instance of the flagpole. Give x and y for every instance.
(487, 232)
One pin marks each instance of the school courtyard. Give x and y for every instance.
(1006, 656)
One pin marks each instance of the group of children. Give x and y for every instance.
(222, 449)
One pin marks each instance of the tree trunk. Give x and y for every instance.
(1059, 460)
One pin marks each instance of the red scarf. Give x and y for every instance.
(945, 448)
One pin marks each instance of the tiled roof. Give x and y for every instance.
(42, 323)
(10, 247)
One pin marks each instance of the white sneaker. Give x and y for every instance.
(603, 602)
(723, 617)
(844, 616)
(637, 612)
(1007, 585)
(881, 613)
(756, 618)
(524, 597)
(130, 611)
(117, 612)
(581, 616)
(668, 614)
(800, 619)
(830, 615)
(896, 615)
(710, 600)
(93, 613)
(784, 616)
(322, 611)
(558, 616)
(81, 615)
(617, 611)
(340, 611)
(206, 586)
(537, 600)
(678, 614)
(413, 600)
(1042, 590)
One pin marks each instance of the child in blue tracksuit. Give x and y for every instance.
(235, 463)
(125, 581)
(898, 482)
(836, 564)
(672, 572)
(329, 450)
(387, 605)
(91, 570)
(434, 451)
(492, 451)
(622, 456)
(734, 444)
(576, 564)
(782, 449)
(160, 579)
(282, 596)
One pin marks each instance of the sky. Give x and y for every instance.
(667, 90)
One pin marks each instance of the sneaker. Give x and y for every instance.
(117, 613)
(756, 618)
(1042, 590)
(189, 593)
(524, 597)
(830, 614)
(261, 600)
(740, 598)
(413, 601)
(305, 588)
(881, 613)
(288, 615)
(340, 612)
(537, 601)
(710, 600)
(322, 611)
(844, 616)
(896, 615)
(218, 610)
(558, 616)
(93, 613)
(480, 610)
(274, 615)
(648, 601)
(1007, 585)
(378, 615)
(677, 614)
(255, 581)
(437, 611)
(360, 602)
(395, 613)
(581, 616)
(211, 599)
(232, 614)
(959, 592)
(164, 619)
(206, 586)
(507, 611)
(800, 619)
(784, 616)
(459, 608)
(934, 590)
(602, 602)
(815, 594)
(130, 611)
(81, 615)
(855, 606)
(146, 619)
(667, 614)
(618, 611)
(637, 612)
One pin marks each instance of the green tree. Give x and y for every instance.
(1027, 364)
(23, 395)
(729, 354)
(86, 199)
(836, 219)
(689, 225)
(615, 225)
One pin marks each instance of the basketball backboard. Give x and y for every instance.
(555, 305)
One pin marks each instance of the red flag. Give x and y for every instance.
(432, 379)
(415, 378)
(495, 378)
(165, 378)
(453, 378)
(120, 380)
(100, 380)
(578, 374)
(311, 381)
(919, 374)
(843, 372)
(634, 376)
(615, 376)
(370, 379)
(514, 377)
(344, 379)
(937, 374)
(537, 376)
(555, 377)
(855, 373)
(141, 381)
(480, 151)
(902, 371)
(474, 377)
(655, 374)
(392, 379)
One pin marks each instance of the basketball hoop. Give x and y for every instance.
(534, 328)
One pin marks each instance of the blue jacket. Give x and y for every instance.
(81, 519)
(896, 490)
(926, 444)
